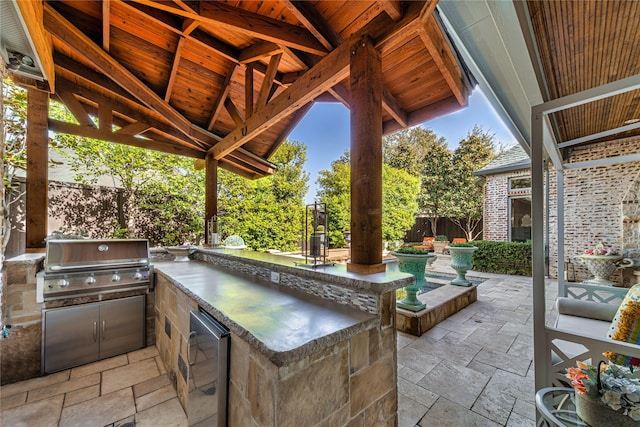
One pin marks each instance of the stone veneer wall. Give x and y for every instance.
(496, 205)
(20, 351)
(351, 383)
(594, 206)
(355, 298)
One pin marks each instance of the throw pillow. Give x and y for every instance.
(626, 327)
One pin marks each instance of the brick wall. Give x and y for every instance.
(496, 205)
(601, 204)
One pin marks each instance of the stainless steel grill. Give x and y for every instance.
(88, 267)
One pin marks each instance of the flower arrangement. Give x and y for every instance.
(599, 249)
(618, 387)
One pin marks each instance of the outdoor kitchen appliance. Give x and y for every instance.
(95, 297)
(75, 268)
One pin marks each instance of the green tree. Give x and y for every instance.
(334, 189)
(266, 213)
(399, 206)
(422, 153)
(473, 153)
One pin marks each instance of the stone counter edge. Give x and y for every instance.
(278, 358)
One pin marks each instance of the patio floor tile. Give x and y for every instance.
(100, 411)
(417, 393)
(43, 413)
(169, 413)
(455, 382)
(447, 413)
(410, 412)
(128, 375)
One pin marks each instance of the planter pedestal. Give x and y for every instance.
(414, 264)
(461, 262)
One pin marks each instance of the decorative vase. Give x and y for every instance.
(461, 262)
(597, 414)
(414, 264)
(603, 266)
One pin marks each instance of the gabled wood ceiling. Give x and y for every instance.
(234, 78)
(584, 44)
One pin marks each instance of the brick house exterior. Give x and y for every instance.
(592, 212)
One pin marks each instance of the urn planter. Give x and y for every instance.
(603, 266)
(461, 262)
(414, 264)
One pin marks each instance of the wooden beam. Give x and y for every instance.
(332, 69)
(252, 24)
(366, 159)
(233, 112)
(106, 24)
(438, 109)
(248, 91)
(210, 195)
(83, 131)
(391, 106)
(37, 169)
(222, 96)
(188, 26)
(433, 38)
(174, 69)
(105, 118)
(76, 40)
(393, 8)
(313, 21)
(75, 107)
(259, 51)
(134, 128)
(267, 82)
(32, 12)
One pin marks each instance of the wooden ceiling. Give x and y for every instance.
(584, 44)
(234, 78)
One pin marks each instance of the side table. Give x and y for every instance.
(557, 407)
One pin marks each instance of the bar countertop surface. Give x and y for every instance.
(283, 324)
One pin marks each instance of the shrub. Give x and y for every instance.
(411, 251)
(441, 238)
(503, 257)
(461, 245)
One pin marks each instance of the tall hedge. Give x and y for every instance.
(503, 257)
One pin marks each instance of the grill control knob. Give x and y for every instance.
(63, 283)
(90, 280)
(115, 278)
(137, 276)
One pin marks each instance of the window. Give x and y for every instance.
(520, 214)
(519, 184)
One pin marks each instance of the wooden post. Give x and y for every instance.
(37, 205)
(366, 158)
(210, 194)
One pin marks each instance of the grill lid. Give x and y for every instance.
(76, 255)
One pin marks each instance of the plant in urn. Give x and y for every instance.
(602, 263)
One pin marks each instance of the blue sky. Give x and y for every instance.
(325, 132)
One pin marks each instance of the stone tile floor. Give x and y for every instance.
(473, 369)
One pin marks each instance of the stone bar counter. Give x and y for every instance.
(308, 346)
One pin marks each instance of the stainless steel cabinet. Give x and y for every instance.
(208, 354)
(84, 333)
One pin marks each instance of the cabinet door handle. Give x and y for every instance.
(104, 330)
(191, 335)
(95, 331)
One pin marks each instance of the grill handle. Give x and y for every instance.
(95, 331)
(104, 330)
(141, 263)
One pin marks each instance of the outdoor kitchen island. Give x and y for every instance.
(316, 348)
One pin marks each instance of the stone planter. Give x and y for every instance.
(414, 264)
(603, 266)
(461, 262)
(439, 246)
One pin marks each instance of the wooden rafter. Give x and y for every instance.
(252, 24)
(248, 90)
(267, 82)
(259, 51)
(74, 106)
(75, 39)
(435, 42)
(106, 25)
(314, 22)
(233, 112)
(134, 128)
(222, 96)
(332, 69)
(174, 68)
(87, 132)
(393, 8)
(105, 118)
